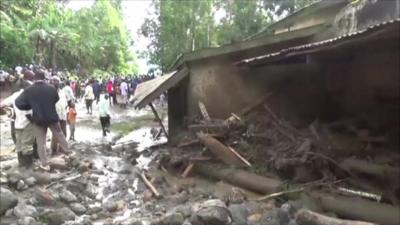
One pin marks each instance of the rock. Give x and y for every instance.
(14, 177)
(83, 166)
(59, 216)
(78, 208)
(254, 218)
(67, 196)
(31, 181)
(179, 198)
(239, 213)
(211, 212)
(132, 221)
(27, 221)
(7, 200)
(111, 206)
(23, 210)
(3, 178)
(94, 209)
(185, 210)
(21, 185)
(43, 197)
(274, 217)
(173, 219)
(58, 163)
(7, 220)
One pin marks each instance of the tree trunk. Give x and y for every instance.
(359, 209)
(240, 178)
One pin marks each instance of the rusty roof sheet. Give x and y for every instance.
(307, 48)
(147, 91)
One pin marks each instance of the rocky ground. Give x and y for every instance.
(105, 183)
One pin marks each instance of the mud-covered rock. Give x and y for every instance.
(59, 216)
(58, 163)
(30, 181)
(211, 212)
(21, 186)
(173, 219)
(239, 213)
(68, 196)
(27, 221)
(43, 197)
(7, 200)
(23, 210)
(78, 208)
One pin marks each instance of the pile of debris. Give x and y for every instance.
(342, 165)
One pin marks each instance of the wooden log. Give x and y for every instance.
(158, 119)
(220, 150)
(149, 184)
(187, 170)
(359, 209)
(204, 112)
(379, 171)
(240, 178)
(307, 217)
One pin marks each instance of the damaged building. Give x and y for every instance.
(330, 60)
(315, 96)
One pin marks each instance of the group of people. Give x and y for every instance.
(40, 105)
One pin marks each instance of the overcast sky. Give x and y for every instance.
(135, 11)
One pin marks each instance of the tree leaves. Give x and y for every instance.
(45, 32)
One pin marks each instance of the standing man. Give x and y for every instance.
(42, 99)
(68, 92)
(61, 109)
(124, 93)
(96, 90)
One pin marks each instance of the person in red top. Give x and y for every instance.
(71, 121)
(110, 91)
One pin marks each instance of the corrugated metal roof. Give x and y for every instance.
(147, 91)
(302, 49)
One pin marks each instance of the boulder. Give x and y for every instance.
(58, 163)
(173, 219)
(23, 210)
(111, 206)
(211, 212)
(27, 221)
(30, 181)
(239, 213)
(43, 197)
(78, 208)
(7, 200)
(21, 185)
(59, 216)
(67, 196)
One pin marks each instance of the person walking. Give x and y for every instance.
(110, 90)
(96, 90)
(124, 93)
(61, 107)
(42, 99)
(71, 121)
(89, 97)
(104, 112)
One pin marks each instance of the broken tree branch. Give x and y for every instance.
(307, 217)
(204, 112)
(277, 194)
(149, 184)
(240, 157)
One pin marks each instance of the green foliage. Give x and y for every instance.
(47, 33)
(178, 27)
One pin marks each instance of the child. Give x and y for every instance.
(104, 112)
(72, 121)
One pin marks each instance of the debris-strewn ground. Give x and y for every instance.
(291, 176)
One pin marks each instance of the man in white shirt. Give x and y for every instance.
(68, 92)
(23, 129)
(61, 109)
